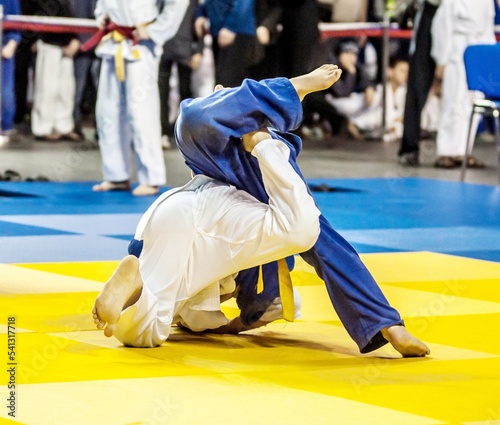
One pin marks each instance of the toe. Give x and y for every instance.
(109, 330)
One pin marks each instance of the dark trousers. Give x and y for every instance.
(184, 73)
(232, 62)
(420, 77)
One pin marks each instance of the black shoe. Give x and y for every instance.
(409, 159)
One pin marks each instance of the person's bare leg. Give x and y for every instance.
(404, 342)
(122, 290)
(319, 79)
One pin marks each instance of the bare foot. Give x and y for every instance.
(404, 342)
(354, 131)
(145, 190)
(319, 79)
(120, 291)
(107, 186)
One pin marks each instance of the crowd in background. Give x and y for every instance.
(55, 83)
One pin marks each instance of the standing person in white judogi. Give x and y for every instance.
(128, 105)
(458, 24)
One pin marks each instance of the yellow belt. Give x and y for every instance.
(119, 59)
(286, 289)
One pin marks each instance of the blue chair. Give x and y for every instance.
(482, 67)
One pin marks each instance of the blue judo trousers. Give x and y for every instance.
(208, 133)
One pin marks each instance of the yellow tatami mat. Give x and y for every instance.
(307, 372)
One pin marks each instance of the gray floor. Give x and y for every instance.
(332, 158)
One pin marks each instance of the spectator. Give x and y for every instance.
(128, 101)
(353, 93)
(24, 62)
(185, 51)
(85, 63)
(300, 36)
(420, 77)
(268, 15)
(458, 24)
(54, 93)
(369, 120)
(233, 30)
(10, 41)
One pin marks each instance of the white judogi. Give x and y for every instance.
(370, 118)
(458, 24)
(197, 237)
(129, 111)
(54, 92)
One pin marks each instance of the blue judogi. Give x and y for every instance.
(208, 133)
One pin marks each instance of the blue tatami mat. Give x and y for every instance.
(42, 221)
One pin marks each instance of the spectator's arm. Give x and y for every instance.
(12, 37)
(344, 86)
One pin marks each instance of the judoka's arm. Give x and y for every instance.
(288, 225)
(231, 113)
(168, 21)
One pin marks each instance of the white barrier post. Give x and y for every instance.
(1, 75)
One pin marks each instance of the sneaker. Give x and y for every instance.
(409, 159)
(165, 142)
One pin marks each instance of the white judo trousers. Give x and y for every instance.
(456, 25)
(197, 237)
(54, 91)
(128, 112)
(371, 116)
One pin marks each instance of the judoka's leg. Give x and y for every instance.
(357, 298)
(122, 290)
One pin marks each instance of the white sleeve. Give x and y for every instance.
(99, 10)
(235, 231)
(442, 33)
(289, 224)
(292, 209)
(168, 21)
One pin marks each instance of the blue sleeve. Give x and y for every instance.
(11, 7)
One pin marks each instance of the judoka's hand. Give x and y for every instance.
(102, 21)
(141, 33)
(250, 140)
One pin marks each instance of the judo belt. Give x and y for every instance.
(286, 289)
(118, 34)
